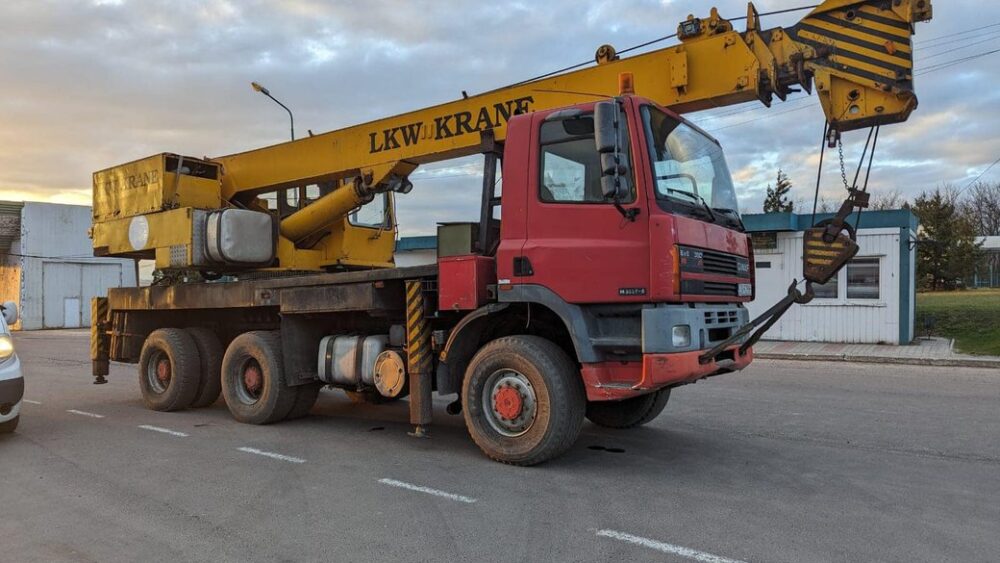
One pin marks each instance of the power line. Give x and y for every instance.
(960, 48)
(761, 118)
(946, 64)
(950, 36)
(992, 33)
(988, 168)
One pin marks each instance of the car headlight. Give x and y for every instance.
(6, 347)
(682, 336)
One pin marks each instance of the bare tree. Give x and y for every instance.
(981, 205)
(885, 201)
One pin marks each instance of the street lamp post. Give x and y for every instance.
(266, 92)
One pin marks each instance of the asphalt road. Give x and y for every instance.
(787, 461)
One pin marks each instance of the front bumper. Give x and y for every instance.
(11, 392)
(611, 381)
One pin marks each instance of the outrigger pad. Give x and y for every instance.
(822, 260)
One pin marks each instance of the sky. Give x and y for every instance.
(90, 84)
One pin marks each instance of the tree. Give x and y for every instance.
(949, 252)
(887, 201)
(777, 200)
(982, 206)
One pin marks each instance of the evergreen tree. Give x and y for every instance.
(777, 200)
(950, 253)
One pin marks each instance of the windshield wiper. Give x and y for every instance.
(730, 215)
(697, 198)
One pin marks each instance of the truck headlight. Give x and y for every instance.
(6, 347)
(682, 336)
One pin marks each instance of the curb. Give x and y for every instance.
(941, 362)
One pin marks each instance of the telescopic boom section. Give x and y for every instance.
(859, 55)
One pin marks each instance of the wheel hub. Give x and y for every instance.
(163, 370)
(252, 379)
(509, 402)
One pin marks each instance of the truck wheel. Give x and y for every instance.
(253, 379)
(210, 352)
(9, 426)
(524, 402)
(304, 400)
(169, 370)
(630, 412)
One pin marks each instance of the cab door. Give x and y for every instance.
(578, 244)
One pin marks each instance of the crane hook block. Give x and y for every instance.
(821, 260)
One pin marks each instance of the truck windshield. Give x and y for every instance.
(689, 168)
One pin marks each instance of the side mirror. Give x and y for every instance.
(9, 312)
(606, 127)
(613, 188)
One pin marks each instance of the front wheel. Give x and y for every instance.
(630, 412)
(524, 401)
(9, 426)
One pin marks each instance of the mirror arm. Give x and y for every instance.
(628, 214)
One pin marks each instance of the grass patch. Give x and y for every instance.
(971, 317)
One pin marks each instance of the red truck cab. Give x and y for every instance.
(645, 286)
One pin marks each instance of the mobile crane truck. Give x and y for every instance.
(609, 268)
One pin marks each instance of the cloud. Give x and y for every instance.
(89, 84)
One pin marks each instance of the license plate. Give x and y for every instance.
(745, 290)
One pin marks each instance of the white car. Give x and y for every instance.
(11, 379)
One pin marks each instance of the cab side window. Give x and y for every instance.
(570, 166)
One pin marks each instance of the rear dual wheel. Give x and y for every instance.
(254, 383)
(179, 369)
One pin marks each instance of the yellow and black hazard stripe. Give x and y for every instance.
(418, 331)
(863, 41)
(99, 338)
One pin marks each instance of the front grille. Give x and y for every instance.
(726, 317)
(723, 264)
(700, 287)
(696, 260)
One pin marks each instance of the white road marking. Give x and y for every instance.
(30, 402)
(163, 430)
(419, 489)
(666, 547)
(84, 413)
(272, 455)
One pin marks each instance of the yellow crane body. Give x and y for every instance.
(858, 56)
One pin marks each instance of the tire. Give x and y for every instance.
(169, 370)
(629, 413)
(268, 399)
(10, 425)
(539, 373)
(210, 353)
(305, 398)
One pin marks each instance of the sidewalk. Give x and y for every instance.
(924, 351)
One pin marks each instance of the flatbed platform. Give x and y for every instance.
(307, 293)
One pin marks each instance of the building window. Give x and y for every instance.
(764, 241)
(863, 278)
(829, 289)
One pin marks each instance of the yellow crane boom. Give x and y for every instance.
(857, 55)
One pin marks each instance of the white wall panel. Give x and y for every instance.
(835, 320)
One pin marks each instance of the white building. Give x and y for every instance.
(871, 301)
(47, 265)
(988, 272)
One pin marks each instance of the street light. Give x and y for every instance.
(266, 92)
